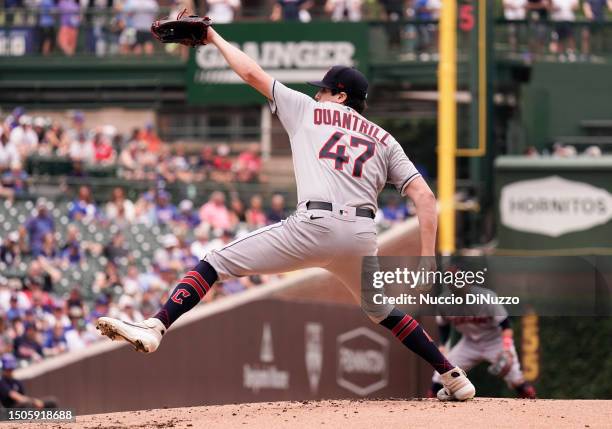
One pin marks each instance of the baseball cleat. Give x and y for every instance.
(145, 336)
(457, 387)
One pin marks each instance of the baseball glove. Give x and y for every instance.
(189, 30)
(502, 365)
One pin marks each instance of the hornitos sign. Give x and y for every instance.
(554, 206)
(291, 53)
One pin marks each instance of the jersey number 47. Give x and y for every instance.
(339, 156)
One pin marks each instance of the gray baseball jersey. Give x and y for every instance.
(338, 155)
(341, 158)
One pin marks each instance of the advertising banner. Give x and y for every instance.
(290, 52)
(554, 206)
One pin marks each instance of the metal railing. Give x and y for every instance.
(107, 32)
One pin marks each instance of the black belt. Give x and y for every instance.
(321, 205)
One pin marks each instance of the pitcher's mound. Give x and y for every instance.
(428, 413)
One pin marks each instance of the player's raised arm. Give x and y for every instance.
(244, 66)
(425, 202)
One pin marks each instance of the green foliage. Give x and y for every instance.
(575, 360)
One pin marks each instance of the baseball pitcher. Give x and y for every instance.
(486, 335)
(341, 162)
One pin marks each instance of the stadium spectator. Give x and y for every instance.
(83, 207)
(131, 281)
(563, 12)
(201, 244)
(10, 252)
(48, 249)
(344, 10)
(12, 392)
(139, 16)
(215, 212)
(237, 211)
(291, 10)
(248, 164)
(131, 168)
(595, 12)
(427, 10)
(514, 10)
(16, 179)
(206, 161)
(151, 139)
(28, 346)
(55, 341)
(537, 15)
(117, 248)
(23, 137)
(70, 20)
(128, 311)
(165, 211)
(8, 150)
(184, 250)
(41, 274)
(255, 215)
(103, 150)
(119, 206)
(222, 11)
(81, 149)
(80, 333)
(37, 226)
(71, 252)
(6, 342)
(277, 210)
(46, 26)
(169, 256)
(149, 304)
(59, 314)
(186, 217)
(54, 140)
(223, 164)
(101, 308)
(14, 311)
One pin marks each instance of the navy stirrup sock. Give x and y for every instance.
(413, 336)
(189, 291)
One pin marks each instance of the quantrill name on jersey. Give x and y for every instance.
(349, 121)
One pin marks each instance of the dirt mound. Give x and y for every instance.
(480, 413)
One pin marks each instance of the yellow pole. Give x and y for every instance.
(447, 125)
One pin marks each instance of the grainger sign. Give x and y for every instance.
(291, 53)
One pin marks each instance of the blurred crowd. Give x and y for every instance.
(37, 321)
(123, 26)
(141, 155)
(109, 27)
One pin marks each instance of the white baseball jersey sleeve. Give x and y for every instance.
(338, 155)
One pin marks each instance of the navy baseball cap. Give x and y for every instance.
(344, 79)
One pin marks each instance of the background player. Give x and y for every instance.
(341, 162)
(486, 335)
